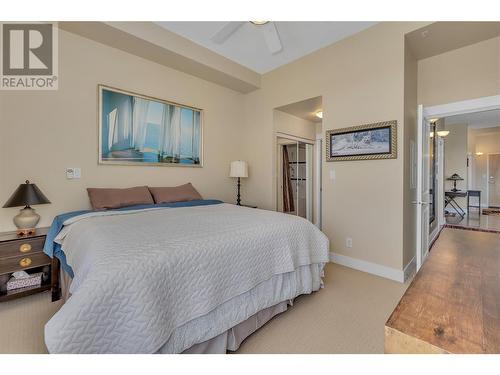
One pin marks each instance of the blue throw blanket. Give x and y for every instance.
(53, 249)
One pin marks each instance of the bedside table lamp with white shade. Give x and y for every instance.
(27, 219)
(239, 169)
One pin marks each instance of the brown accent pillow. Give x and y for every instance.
(104, 198)
(181, 193)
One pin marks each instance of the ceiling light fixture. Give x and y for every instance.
(443, 133)
(259, 23)
(319, 114)
(479, 153)
(433, 120)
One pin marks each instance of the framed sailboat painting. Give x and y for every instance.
(136, 129)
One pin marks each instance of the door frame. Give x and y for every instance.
(486, 103)
(487, 197)
(318, 164)
(441, 220)
(422, 206)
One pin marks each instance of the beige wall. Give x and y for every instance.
(361, 80)
(42, 133)
(292, 125)
(455, 158)
(466, 73)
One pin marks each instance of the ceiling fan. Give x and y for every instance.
(268, 29)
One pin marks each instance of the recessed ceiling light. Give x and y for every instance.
(259, 23)
(319, 114)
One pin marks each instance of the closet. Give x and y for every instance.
(295, 190)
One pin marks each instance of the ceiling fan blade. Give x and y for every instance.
(226, 31)
(272, 37)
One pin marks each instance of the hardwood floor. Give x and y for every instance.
(475, 221)
(453, 304)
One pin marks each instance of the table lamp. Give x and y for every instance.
(27, 219)
(455, 177)
(239, 169)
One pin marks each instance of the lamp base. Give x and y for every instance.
(26, 221)
(26, 232)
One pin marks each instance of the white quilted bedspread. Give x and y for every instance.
(141, 275)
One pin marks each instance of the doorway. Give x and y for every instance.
(430, 195)
(297, 163)
(493, 176)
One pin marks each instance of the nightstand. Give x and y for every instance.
(26, 254)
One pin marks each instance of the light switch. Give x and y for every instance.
(72, 173)
(332, 174)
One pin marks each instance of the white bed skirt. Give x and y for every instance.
(305, 280)
(232, 338)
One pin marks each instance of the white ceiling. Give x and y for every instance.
(476, 120)
(247, 45)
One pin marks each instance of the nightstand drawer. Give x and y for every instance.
(23, 262)
(19, 247)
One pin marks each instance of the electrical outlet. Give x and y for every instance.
(348, 242)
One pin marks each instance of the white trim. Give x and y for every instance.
(440, 184)
(466, 106)
(369, 267)
(420, 150)
(295, 138)
(410, 269)
(317, 179)
(434, 234)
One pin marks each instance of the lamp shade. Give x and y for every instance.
(455, 177)
(25, 195)
(239, 168)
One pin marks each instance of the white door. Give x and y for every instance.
(423, 188)
(493, 180)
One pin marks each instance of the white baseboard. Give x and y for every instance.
(373, 268)
(410, 269)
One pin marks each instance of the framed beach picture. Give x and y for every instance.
(364, 142)
(136, 129)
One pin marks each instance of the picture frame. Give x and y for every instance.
(136, 129)
(364, 142)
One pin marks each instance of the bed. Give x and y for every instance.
(192, 278)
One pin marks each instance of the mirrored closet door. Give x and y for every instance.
(295, 177)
